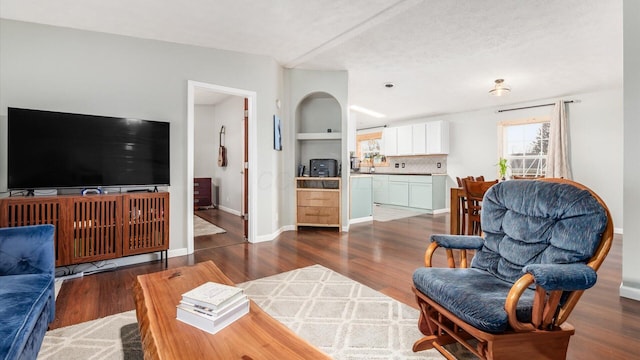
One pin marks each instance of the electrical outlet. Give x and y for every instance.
(397, 165)
(439, 165)
(403, 165)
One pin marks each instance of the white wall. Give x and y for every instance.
(595, 135)
(60, 69)
(205, 147)
(631, 191)
(229, 178)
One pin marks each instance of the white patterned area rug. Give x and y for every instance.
(203, 227)
(342, 317)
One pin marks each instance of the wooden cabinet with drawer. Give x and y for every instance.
(318, 202)
(201, 192)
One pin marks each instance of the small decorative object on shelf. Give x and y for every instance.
(212, 306)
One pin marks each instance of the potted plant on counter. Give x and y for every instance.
(503, 165)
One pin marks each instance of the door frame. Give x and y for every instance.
(253, 184)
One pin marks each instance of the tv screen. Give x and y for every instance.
(49, 149)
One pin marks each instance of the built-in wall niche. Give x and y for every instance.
(318, 129)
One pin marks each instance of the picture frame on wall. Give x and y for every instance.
(277, 133)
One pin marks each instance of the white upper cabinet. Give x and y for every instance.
(405, 140)
(390, 141)
(417, 139)
(437, 137)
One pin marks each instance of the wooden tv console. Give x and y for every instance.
(95, 227)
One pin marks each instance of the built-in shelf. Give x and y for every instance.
(319, 136)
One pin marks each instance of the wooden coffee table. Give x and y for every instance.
(254, 336)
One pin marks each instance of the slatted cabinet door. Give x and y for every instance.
(17, 212)
(96, 234)
(146, 223)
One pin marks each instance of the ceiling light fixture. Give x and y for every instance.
(500, 88)
(366, 111)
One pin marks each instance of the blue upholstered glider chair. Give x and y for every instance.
(543, 241)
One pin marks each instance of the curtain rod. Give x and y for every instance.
(373, 127)
(535, 106)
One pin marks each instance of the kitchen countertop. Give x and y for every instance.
(395, 173)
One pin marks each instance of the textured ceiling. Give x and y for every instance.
(442, 55)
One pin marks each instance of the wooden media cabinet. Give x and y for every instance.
(95, 227)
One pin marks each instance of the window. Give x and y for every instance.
(369, 148)
(524, 143)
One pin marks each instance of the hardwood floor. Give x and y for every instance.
(381, 255)
(231, 224)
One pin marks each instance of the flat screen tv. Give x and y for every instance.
(49, 149)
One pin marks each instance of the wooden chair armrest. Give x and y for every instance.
(451, 262)
(544, 305)
(511, 304)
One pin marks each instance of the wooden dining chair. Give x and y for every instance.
(473, 193)
(463, 205)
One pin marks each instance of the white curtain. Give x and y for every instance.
(558, 153)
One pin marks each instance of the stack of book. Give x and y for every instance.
(212, 306)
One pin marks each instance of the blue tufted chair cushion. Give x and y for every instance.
(537, 222)
(524, 223)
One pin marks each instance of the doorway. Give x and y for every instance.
(244, 193)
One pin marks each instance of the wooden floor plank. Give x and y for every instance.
(381, 255)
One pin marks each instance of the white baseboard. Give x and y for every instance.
(440, 211)
(617, 231)
(106, 265)
(629, 292)
(360, 220)
(270, 237)
(229, 210)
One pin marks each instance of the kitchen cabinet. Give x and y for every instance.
(361, 204)
(419, 139)
(398, 190)
(381, 189)
(390, 141)
(429, 138)
(437, 133)
(405, 140)
(421, 192)
(424, 192)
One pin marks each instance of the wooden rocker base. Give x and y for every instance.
(441, 328)
(533, 345)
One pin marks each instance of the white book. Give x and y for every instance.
(209, 323)
(235, 301)
(212, 295)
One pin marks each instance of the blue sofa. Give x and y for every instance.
(27, 293)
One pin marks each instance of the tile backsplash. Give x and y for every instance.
(412, 164)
